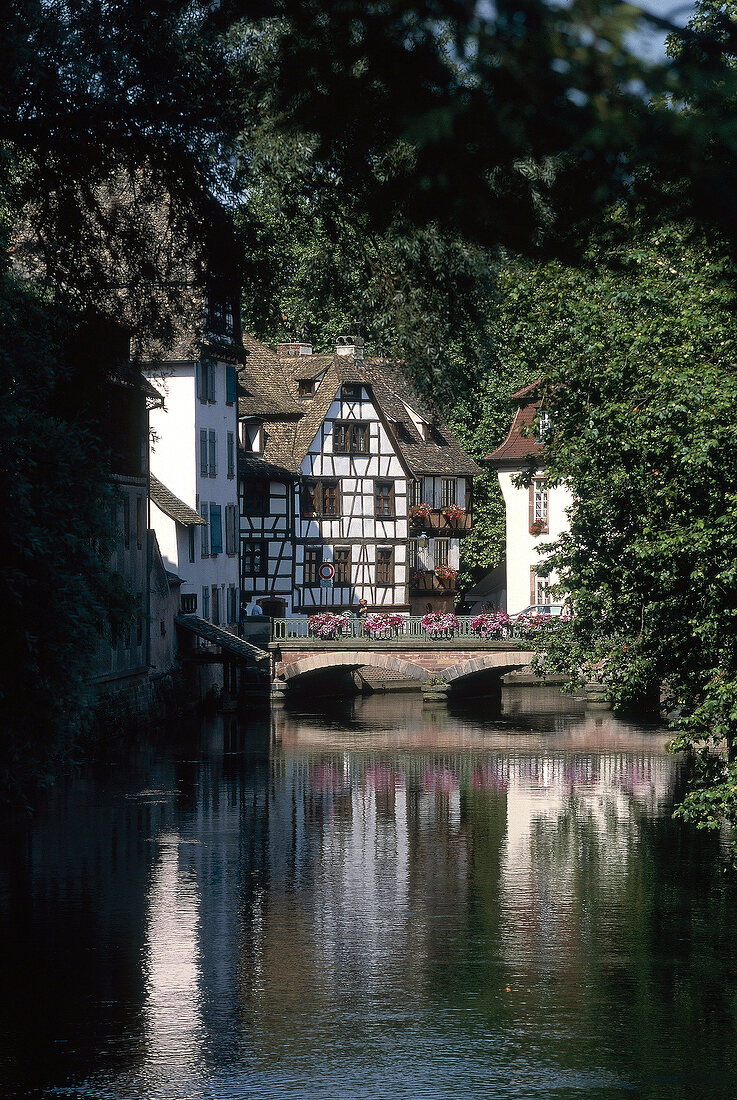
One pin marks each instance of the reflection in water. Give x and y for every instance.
(387, 902)
(174, 1026)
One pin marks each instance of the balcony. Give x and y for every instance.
(189, 603)
(437, 522)
(428, 580)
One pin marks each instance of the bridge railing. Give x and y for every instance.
(297, 627)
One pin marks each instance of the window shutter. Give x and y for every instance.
(231, 384)
(213, 455)
(532, 506)
(200, 381)
(205, 543)
(203, 453)
(231, 454)
(216, 529)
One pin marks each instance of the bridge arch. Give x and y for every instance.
(499, 661)
(321, 662)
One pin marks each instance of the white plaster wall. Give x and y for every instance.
(522, 547)
(175, 461)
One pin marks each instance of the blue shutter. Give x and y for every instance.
(203, 453)
(231, 454)
(216, 530)
(213, 455)
(230, 378)
(205, 546)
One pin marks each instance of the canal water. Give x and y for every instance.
(375, 902)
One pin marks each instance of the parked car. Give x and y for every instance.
(551, 609)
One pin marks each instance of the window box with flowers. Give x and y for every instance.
(440, 625)
(453, 514)
(327, 627)
(419, 514)
(538, 527)
(421, 580)
(446, 576)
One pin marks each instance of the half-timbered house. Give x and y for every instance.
(350, 487)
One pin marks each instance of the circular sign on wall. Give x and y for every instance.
(327, 571)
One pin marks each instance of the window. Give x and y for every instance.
(539, 588)
(313, 561)
(306, 387)
(415, 492)
(231, 385)
(384, 496)
(350, 438)
(205, 602)
(330, 498)
(441, 550)
(190, 533)
(216, 530)
(206, 380)
(384, 565)
(127, 522)
(231, 523)
(544, 425)
(423, 429)
(231, 454)
(216, 605)
(253, 557)
(205, 532)
(252, 436)
(413, 554)
(538, 507)
(447, 491)
(319, 498)
(342, 563)
(213, 455)
(220, 313)
(351, 391)
(255, 497)
(203, 453)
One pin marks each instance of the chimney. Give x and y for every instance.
(288, 351)
(350, 345)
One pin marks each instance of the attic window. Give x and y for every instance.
(220, 313)
(351, 391)
(424, 430)
(306, 387)
(543, 425)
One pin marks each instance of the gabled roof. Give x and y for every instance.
(289, 440)
(521, 444)
(172, 506)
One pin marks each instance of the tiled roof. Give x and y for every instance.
(521, 443)
(274, 380)
(257, 466)
(172, 506)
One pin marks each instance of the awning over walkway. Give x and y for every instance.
(227, 641)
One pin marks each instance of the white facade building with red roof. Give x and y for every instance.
(536, 514)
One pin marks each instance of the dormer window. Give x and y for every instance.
(424, 430)
(544, 425)
(351, 391)
(252, 436)
(306, 387)
(220, 314)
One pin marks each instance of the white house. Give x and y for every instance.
(350, 488)
(535, 514)
(194, 484)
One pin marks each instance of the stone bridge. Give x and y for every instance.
(442, 663)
